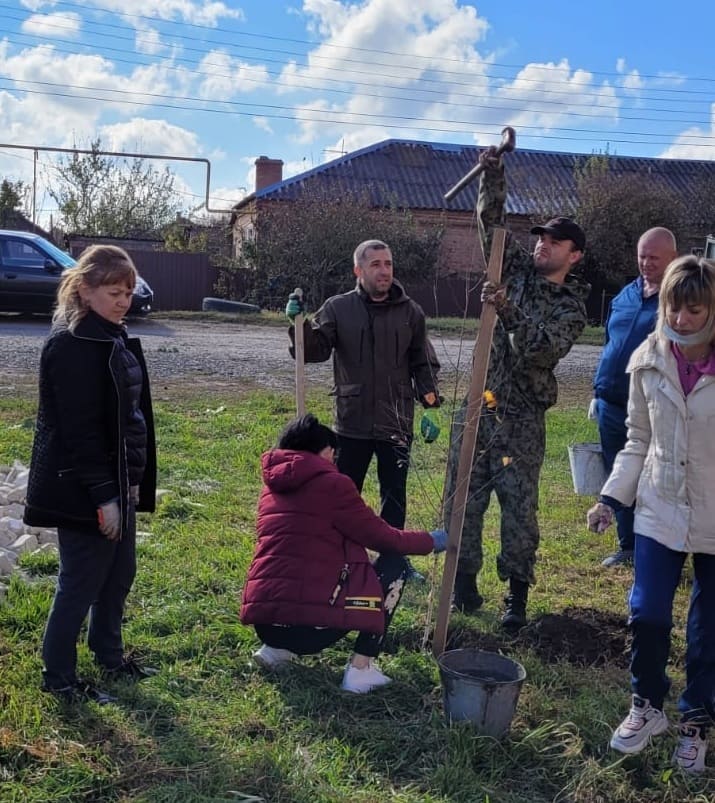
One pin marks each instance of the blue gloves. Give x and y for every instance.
(440, 540)
(295, 305)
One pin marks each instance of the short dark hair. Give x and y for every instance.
(307, 434)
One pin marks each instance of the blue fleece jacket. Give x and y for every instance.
(630, 320)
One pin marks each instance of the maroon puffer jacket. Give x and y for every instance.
(313, 529)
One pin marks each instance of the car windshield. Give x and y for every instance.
(61, 257)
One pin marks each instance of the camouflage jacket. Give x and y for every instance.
(539, 325)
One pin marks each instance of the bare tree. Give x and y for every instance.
(99, 195)
(614, 210)
(309, 243)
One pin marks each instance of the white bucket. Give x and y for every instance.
(587, 469)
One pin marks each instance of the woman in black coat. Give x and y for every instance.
(93, 466)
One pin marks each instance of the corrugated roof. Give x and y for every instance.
(416, 175)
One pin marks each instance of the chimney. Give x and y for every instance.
(268, 171)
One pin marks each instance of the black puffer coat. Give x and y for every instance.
(95, 429)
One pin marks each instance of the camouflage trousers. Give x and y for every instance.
(507, 460)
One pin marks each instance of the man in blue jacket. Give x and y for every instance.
(630, 320)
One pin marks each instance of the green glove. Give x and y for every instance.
(429, 427)
(294, 306)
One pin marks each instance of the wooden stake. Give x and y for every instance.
(480, 364)
(299, 360)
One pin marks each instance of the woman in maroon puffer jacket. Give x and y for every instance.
(311, 580)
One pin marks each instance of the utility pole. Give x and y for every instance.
(34, 188)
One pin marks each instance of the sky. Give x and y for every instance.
(306, 81)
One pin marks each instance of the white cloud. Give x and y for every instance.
(150, 136)
(394, 59)
(59, 25)
(690, 145)
(543, 97)
(148, 41)
(198, 13)
(223, 77)
(201, 12)
(226, 197)
(263, 124)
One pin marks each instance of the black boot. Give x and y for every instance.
(466, 597)
(515, 614)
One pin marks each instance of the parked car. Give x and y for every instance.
(30, 271)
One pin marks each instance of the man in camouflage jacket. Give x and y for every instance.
(540, 314)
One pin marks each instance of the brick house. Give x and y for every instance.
(415, 175)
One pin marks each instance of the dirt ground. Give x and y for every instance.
(219, 355)
(579, 636)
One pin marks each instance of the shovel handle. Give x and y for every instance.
(507, 145)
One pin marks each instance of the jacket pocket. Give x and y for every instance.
(348, 402)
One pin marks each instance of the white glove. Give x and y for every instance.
(134, 494)
(599, 517)
(593, 410)
(110, 520)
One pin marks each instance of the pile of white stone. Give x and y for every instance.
(16, 538)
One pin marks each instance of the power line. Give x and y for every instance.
(374, 119)
(486, 106)
(381, 75)
(352, 48)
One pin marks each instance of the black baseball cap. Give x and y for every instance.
(563, 228)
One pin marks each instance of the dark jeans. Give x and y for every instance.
(657, 571)
(392, 571)
(95, 577)
(613, 433)
(393, 461)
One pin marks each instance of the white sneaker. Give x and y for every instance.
(273, 657)
(361, 681)
(689, 755)
(642, 722)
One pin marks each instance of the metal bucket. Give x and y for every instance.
(480, 687)
(587, 469)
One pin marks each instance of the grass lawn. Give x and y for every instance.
(212, 727)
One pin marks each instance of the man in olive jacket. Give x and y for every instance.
(382, 361)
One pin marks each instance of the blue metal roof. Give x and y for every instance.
(415, 175)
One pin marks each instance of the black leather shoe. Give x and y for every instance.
(81, 691)
(129, 669)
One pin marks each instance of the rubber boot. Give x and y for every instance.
(515, 614)
(466, 597)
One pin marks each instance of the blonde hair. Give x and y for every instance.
(688, 281)
(98, 265)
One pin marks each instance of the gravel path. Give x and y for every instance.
(226, 353)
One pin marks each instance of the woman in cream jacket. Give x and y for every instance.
(668, 468)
